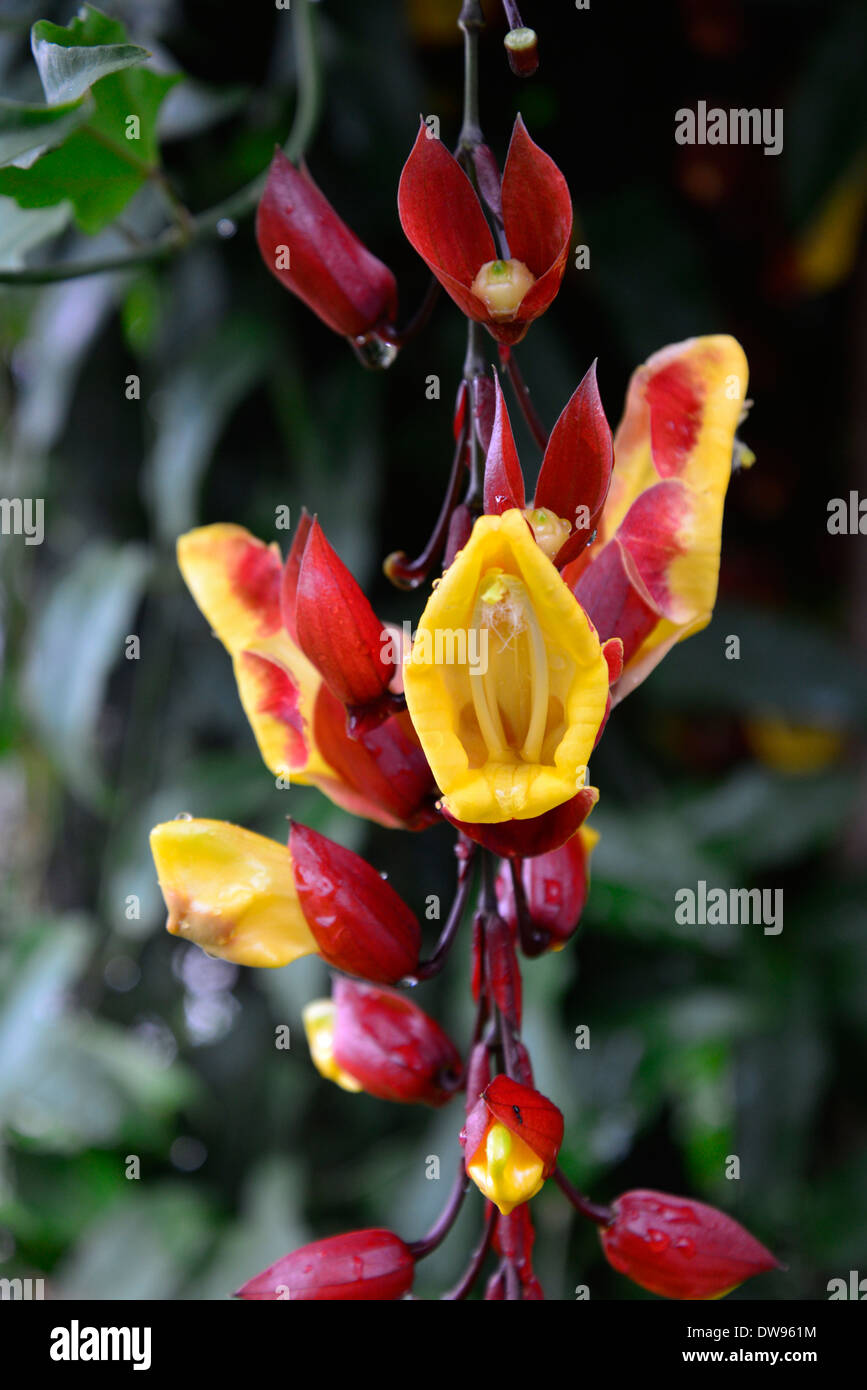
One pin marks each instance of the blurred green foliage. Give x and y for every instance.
(117, 1042)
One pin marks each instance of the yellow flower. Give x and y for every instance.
(230, 891)
(506, 682)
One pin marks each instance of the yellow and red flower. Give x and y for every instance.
(251, 900)
(251, 601)
(511, 1140)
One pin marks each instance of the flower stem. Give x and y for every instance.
(522, 395)
(429, 968)
(446, 1219)
(602, 1216)
(408, 574)
(474, 1268)
(471, 21)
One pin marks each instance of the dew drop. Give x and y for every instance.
(657, 1240)
(184, 815)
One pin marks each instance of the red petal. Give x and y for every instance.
(337, 628)
(504, 481)
(363, 1265)
(330, 269)
(651, 533)
(394, 1049)
(291, 570)
(537, 208)
(442, 217)
(383, 774)
(576, 469)
(525, 838)
(530, 1115)
(679, 1248)
(275, 693)
(360, 923)
(537, 212)
(676, 403)
(612, 595)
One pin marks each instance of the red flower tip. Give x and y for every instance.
(525, 1112)
(337, 628)
(526, 838)
(679, 1248)
(361, 925)
(391, 1047)
(504, 481)
(363, 1265)
(316, 256)
(576, 470)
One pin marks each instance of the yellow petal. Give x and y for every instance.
(506, 683)
(318, 1018)
(230, 891)
(505, 1168)
(235, 580)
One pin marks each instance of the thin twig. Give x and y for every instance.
(446, 1219)
(522, 395)
(600, 1215)
(474, 1268)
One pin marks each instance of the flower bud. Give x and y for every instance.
(360, 923)
(511, 1140)
(337, 628)
(555, 886)
(363, 1265)
(375, 1040)
(679, 1248)
(316, 256)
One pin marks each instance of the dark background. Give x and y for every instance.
(706, 1042)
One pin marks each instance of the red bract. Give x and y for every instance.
(555, 886)
(337, 628)
(574, 477)
(538, 835)
(443, 218)
(316, 256)
(382, 773)
(523, 1111)
(391, 1047)
(679, 1248)
(363, 1265)
(361, 925)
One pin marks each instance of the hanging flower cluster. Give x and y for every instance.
(547, 612)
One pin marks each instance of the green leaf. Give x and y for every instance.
(22, 229)
(27, 128)
(104, 162)
(72, 59)
(77, 640)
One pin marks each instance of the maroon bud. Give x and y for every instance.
(363, 1265)
(391, 1047)
(316, 256)
(679, 1248)
(360, 923)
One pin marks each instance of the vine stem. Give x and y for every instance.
(474, 1268)
(205, 226)
(446, 1219)
(522, 395)
(593, 1211)
(429, 968)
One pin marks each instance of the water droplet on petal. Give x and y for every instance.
(184, 815)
